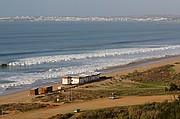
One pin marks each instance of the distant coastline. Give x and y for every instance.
(90, 19)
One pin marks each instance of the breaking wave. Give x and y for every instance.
(91, 62)
(94, 54)
(30, 78)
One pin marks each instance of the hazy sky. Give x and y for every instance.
(89, 7)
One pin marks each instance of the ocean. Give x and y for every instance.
(39, 53)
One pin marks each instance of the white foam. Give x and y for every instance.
(30, 78)
(96, 60)
(94, 54)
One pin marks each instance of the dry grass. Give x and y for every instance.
(150, 82)
(22, 107)
(177, 67)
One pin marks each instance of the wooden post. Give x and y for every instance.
(1, 112)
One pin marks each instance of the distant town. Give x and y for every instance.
(90, 19)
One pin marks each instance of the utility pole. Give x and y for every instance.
(71, 95)
(71, 90)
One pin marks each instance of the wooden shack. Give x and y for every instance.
(34, 91)
(43, 90)
(49, 89)
(46, 89)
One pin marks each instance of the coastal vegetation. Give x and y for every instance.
(22, 107)
(159, 80)
(164, 110)
(155, 81)
(164, 74)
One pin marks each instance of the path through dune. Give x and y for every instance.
(89, 105)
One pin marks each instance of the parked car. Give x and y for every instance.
(112, 97)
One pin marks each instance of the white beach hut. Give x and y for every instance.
(81, 79)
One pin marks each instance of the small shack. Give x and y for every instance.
(47, 89)
(66, 80)
(34, 91)
(61, 88)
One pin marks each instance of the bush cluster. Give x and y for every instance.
(164, 110)
(173, 87)
(159, 74)
(23, 107)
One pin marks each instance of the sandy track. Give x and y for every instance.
(89, 105)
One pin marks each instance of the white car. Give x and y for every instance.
(112, 97)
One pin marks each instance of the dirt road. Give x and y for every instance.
(89, 105)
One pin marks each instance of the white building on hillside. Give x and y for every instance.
(81, 79)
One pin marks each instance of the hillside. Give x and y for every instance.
(165, 110)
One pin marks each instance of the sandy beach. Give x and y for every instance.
(145, 65)
(23, 96)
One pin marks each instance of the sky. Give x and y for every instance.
(88, 7)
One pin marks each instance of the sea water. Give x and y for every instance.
(39, 53)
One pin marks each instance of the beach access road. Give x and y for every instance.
(88, 105)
